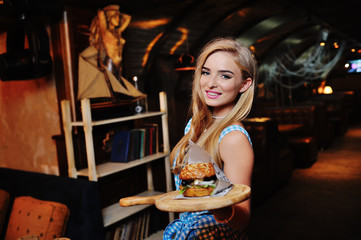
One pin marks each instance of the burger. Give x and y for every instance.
(198, 180)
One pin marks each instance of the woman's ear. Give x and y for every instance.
(245, 85)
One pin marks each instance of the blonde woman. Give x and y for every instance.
(223, 89)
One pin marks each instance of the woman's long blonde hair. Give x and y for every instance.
(202, 115)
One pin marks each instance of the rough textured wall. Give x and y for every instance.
(29, 118)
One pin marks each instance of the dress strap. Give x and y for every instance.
(188, 126)
(234, 128)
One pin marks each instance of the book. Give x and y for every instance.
(134, 146)
(143, 233)
(147, 141)
(117, 233)
(142, 142)
(125, 233)
(137, 143)
(153, 143)
(138, 229)
(130, 230)
(147, 220)
(120, 146)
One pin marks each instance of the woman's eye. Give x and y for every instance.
(205, 73)
(226, 76)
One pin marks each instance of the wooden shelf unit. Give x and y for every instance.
(115, 212)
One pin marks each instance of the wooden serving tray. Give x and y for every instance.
(166, 202)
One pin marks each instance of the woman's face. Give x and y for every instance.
(220, 83)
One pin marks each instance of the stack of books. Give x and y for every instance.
(134, 144)
(136, 228)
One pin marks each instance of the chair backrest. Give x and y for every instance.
(30, 216)
(304, 115)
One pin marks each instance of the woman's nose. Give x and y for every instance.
(212, 81)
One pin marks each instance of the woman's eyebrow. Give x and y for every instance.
(219, 71)
(226, 71)
(205, 68)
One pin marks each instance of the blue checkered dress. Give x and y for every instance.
(190, 224)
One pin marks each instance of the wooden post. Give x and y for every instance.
(164, 109)
(166, 147)
(87, 121)
(150, 177)
(65, 110)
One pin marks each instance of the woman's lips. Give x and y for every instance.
(213, 94)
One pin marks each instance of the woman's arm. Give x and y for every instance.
(237, 155)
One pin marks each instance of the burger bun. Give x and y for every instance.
(197, 191)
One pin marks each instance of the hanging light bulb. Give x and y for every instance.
(327, 90)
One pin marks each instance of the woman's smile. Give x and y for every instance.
(213, 94)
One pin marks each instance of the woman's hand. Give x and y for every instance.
(224, 215)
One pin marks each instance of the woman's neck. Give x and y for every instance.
(218, 117)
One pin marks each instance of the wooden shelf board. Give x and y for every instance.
(121, 119)
(115, 212)
(108, 168)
